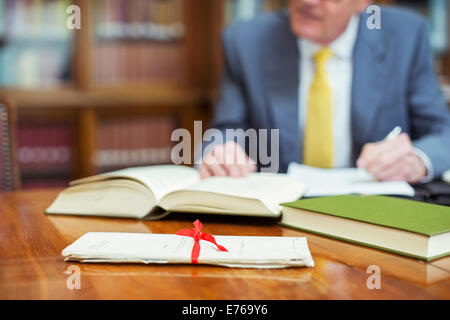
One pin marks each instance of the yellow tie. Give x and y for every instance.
(318, 133)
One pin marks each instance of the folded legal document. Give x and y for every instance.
(243, 252)
(339, 181)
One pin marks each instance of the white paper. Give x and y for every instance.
(338, 181)
(446, 176)
(244, 252)
(161, 179)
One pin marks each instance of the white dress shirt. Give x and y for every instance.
(340, 75)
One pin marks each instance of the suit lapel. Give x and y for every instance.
(282, 80)
(369, 82)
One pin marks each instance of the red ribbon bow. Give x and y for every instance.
(198, 235)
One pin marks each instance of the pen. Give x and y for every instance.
(394, 133)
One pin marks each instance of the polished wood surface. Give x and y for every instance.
(31, 265)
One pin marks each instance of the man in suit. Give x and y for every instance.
(334, 88)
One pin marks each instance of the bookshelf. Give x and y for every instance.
(106, 96)
(35, 44)
(138, 42)
(132, 70)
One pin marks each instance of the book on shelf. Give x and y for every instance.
(133, 142)
(139, 19)
(45, 149)
(35, 43)
(411, 228)
(241, 10)
(134, 62)
(32, 66)
(138, 42)
(152, 192)
(36, 19)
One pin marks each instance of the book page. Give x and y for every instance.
(110, 198)
(339, 181)
(160, 179)
(271, 189)
(168, 248)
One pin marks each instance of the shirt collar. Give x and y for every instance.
(342, 47)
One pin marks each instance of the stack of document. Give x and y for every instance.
(243, 252)
(340, 181)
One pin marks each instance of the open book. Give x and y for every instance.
(152, 192)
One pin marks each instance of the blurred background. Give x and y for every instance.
(109, 95)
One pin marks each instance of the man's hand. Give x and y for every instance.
(394, 159)
(228, 159)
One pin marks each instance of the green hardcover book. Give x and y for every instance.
(406, 227)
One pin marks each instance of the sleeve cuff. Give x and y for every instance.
(427, 162)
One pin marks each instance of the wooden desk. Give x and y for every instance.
(31, 265)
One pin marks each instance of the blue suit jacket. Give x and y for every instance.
(394, 84)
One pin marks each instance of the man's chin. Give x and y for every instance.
(307, 31)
